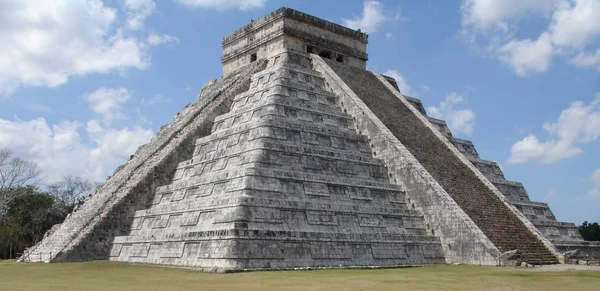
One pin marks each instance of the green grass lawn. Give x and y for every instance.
(104, 275)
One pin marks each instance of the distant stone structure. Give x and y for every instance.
(300, 157)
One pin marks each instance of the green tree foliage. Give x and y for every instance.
(590, 231)
(26, 212)
(28, 216)
(26, 219)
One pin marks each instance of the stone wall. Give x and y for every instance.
(563, 235)
(462, 240)
(283, 181)
(255, 39)
(88, 232)
(299, 17)
(487, 207)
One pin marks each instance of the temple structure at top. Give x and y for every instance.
(293, 31)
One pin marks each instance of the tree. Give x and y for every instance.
(26, 212)
(26, 220)
(590, 231)
(29, 216)
(15, 174)
(70, 191)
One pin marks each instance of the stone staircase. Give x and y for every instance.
(283, 181)
(564, 235)
(58, 239)
(499, 223)
(88, 232)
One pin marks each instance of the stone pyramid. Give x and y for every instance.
(300, 157)
(563, 235)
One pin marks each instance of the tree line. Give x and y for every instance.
(29, 207)
(590, 231)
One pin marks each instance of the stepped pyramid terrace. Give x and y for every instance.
(300, 157)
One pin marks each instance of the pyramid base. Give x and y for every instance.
(242, 250)
(585, 250)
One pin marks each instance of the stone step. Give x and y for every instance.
(500, 224)
(243, 150)
(299, 180)
(283, 123)
(348, 206)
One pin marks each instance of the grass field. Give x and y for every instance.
(104, 275)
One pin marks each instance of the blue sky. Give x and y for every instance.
(84, 83)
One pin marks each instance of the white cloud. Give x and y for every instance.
(44, 43)
(224, 4)
(108, 102)
(459, 121)
(404, 88)
(485, 15)
(593, 193)
(572, 26)
(576, 125)
(587, 60)
(575, 23)
(37, 107)
(155, 100)
(91, 149)
(156, 39)
(372, 17)
(527, 56)
(137, 12)
(552, 192)
(60, 149)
